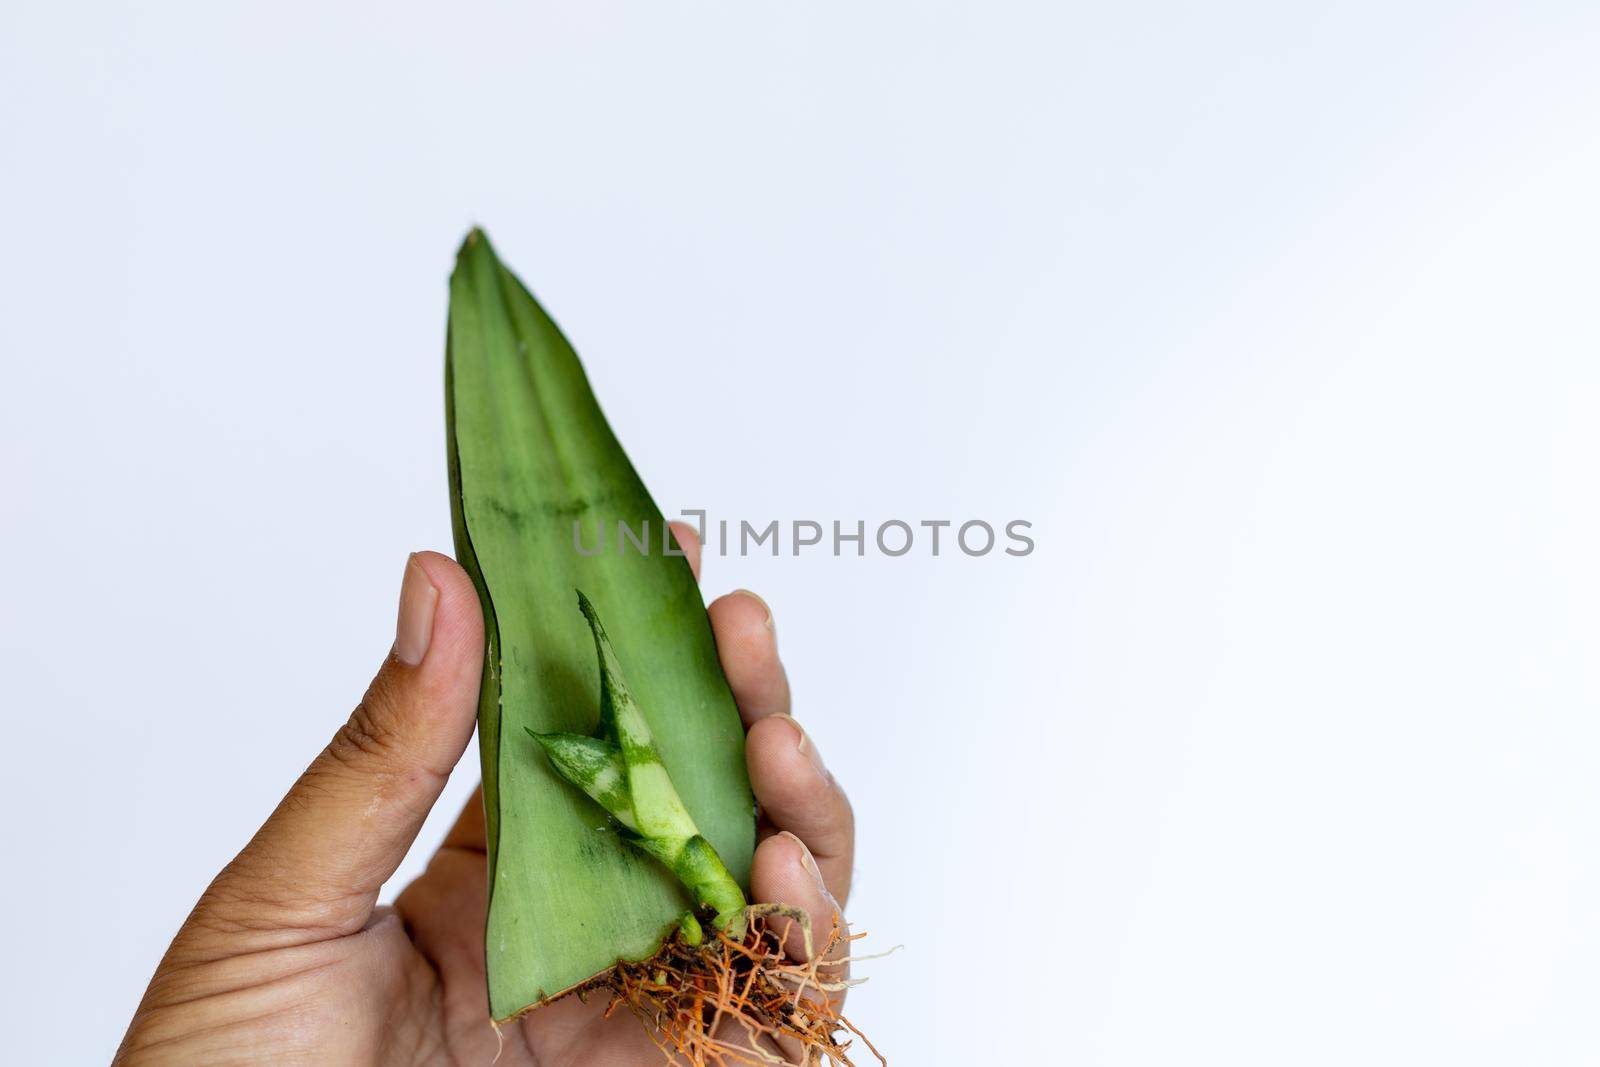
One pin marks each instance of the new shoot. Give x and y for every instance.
(619, 768)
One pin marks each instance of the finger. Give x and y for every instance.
(797, 794)
(444, 912)
(689, 542)
(317, 864)
(469, 832)
(747, 644)
(783, 872)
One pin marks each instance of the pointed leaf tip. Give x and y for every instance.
(475, 240)
(592, 616)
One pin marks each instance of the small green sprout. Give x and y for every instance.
(619, 768)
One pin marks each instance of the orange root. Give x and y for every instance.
(742, 1001)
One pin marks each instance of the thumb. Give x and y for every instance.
(314, 868)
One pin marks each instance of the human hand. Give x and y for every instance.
(287, 959)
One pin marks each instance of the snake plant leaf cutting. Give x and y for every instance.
(580, 878)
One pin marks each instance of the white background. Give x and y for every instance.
(1279, 323)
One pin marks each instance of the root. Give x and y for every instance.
(742, 1001)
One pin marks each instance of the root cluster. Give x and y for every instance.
(742, 1001)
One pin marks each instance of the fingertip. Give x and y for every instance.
(784, 872)
(753, 613)
(458, 617)
(426, 692)
(781, 759)
(781, 744)
(689, 543)
(747, 645)
(447, 576)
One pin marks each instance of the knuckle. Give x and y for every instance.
(365, 738)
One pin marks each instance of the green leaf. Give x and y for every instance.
(530, 455)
